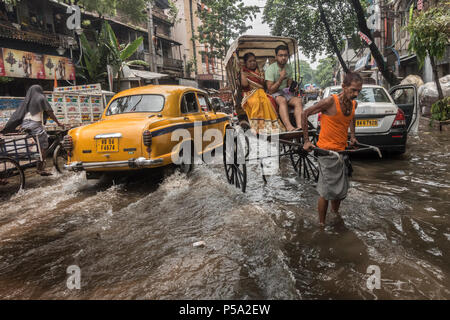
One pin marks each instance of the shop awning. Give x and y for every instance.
(407, 57)
(129, 73)
(365, 63)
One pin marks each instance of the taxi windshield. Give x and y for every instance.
(136, 103)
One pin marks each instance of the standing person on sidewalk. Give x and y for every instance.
(338, 114)
(32, 115)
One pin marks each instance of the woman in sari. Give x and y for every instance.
(257, 104)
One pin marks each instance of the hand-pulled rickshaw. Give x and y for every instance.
(290, 143)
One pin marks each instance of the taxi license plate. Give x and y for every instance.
(108, 145)
(367, 123)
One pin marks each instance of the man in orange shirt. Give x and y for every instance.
(338, 114)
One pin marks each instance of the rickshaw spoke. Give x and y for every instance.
(305, 169)
(237, 177)
(240, 174)
(296, 165)
(313, 169)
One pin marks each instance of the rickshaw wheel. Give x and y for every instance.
(303, 162)
(12, 177)
(235, 167)
(60, 158)
(187, 167)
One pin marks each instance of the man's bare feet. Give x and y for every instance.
(337, 214)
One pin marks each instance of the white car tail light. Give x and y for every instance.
(400, 120)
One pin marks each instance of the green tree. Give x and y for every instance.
(118, 54)
(222, 22)
(430, 33)
(134, 10)
(317, 26)
(93, 65)
(305, 71)
(325, 71)
(106, 50)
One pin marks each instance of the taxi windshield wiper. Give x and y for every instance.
(135, 105)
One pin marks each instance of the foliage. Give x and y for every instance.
(324, 73)
(305, 71)
(117, 53)
(134, 10)
(222, 22)
(107, 51)
(301, 20)
(440, 110)
(189, 68)
(10, 2)
(93, 64)
(173, 12)
(4, 80)
(429, 32)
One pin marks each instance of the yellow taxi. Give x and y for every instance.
(147, 127)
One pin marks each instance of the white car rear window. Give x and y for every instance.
(373, 95)
(368, 95)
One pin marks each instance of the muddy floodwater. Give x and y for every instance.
(134, 239)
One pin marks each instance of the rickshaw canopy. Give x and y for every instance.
(262, 46)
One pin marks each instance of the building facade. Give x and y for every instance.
(387, 21)
(209, 72)
(36, 46)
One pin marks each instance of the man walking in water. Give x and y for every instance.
(338, 113)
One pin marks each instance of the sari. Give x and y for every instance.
(259, 106)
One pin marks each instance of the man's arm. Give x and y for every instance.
(321, 106)
(47, 108)
(273, 87)
(244, 81)
(353, 140)
(52, 116)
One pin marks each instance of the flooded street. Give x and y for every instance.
(134, 240)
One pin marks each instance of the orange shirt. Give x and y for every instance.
(334, 129)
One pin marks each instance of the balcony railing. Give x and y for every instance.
(54, 40)
(173, 63)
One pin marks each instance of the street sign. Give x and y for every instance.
(365, 38)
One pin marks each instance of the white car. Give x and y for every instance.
(382, 119)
